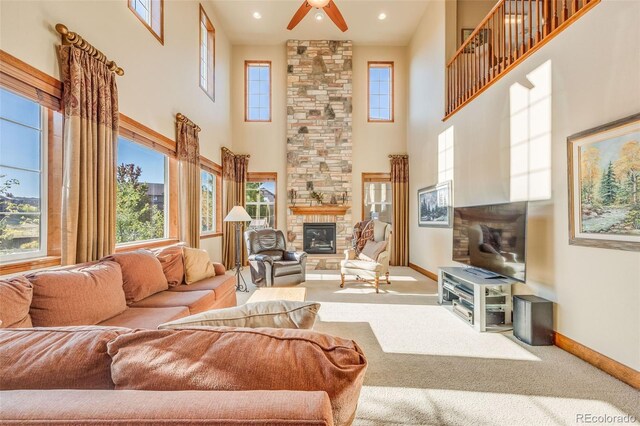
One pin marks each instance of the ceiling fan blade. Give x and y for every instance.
(333, 12)
(301, 13)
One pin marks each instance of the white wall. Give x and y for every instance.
(595, 80)
(159, 81)
(266, 142)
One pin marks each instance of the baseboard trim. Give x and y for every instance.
(603, 362)
(423, 271)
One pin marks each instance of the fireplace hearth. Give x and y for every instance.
(319, 238)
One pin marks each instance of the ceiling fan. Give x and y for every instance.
(329, 8)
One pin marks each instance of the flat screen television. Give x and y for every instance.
(492, 238)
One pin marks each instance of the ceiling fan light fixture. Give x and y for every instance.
(318, 3)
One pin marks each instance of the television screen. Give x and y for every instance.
(492, 238)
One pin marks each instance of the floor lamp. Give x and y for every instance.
(237, 216)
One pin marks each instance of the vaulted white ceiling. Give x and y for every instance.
(241, 27)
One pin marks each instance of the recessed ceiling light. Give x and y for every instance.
(319, 16)
(382, 16)
(257, 15)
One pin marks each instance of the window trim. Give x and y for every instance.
(143, 135)
(158, 29)
(247, 64)
(391, 66)
(253, 177)
(25, 80)
(372, 178)
(216, 170)
(211, 52)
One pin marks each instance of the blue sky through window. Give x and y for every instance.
(380, 95)
(151, 162)
(258, 88)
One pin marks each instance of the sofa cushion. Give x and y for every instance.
(170, 258)
(146, 318)
(15, 296)
(196, 301)
(275, 314)
(361, 264)
(104, 407)
(372, 250)
(197, 265)
(142, 274)
(57, 358)
(271, 359)
(84, 295)
(379, 230)
(220, 284)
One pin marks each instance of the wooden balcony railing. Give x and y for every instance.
(512, 31)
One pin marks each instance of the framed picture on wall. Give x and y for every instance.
(604, 186)
(434, 206)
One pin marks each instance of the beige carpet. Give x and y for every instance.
(426, 367)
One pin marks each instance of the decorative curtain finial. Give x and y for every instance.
(74, 39)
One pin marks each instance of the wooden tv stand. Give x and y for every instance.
(484, 303)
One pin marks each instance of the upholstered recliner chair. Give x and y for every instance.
(271, 264)
(363, 266)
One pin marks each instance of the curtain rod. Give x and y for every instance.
(225, 149)
(69, 37)
(183, 119)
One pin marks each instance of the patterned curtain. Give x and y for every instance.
(188, 150)
(234, 178)
(89, 166)
(400, 186)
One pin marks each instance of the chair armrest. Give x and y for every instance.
(294, 255)
(262, 258)
(350, 254)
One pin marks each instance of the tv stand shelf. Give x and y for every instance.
(483, 300)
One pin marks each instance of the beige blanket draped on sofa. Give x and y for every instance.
(188, 150)
(90, 136)
(234, 178)
(400, 186)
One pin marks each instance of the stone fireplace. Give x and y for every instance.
(319, 238)
(319, 143)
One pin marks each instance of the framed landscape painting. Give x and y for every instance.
(434, 206)
(604, 186)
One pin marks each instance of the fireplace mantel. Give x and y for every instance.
(319, 210)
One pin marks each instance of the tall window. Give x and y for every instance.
(207, 54)
(142, 183)
(208, 219)
(151, 14)
(257, 90)
(377, 197)
(23, 195)
(261, 199)
(445, 155)
(381, 91)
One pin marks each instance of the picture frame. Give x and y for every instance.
(604, 185)
(483, 36)
(435, 207)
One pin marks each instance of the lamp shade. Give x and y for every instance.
(238, 214)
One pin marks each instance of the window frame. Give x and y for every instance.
(392, 82)
(255, 177)
(27, 81)
(373, 178)
(216, 170)
(142, 135)
(156, 26)
(247, 65)
(210, 90)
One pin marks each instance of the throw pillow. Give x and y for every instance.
(197, 265)
(372, 250)
(271, 359)
(142, 274)
(79, 295)
(170, 258)
(273, 314)
(15, 296)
